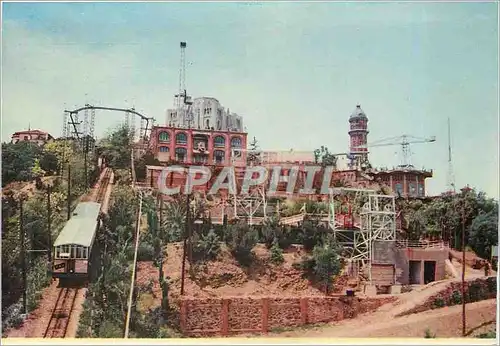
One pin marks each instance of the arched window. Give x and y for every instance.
(164, 149)
(181, 138)
(180, 154)
(164, 137)
(219, 156)
(219, 142)
(236, 142)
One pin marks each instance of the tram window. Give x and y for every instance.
(73, 252)
(79, 252)
(58, 251)
(85, 251)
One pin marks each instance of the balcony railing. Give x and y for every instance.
(422, 244)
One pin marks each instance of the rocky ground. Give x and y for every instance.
(225, 277)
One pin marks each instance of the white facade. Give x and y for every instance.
(205, 113)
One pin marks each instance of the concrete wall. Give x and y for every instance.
(383, 274)
(403, 256)
(385, 252)
(201, 317)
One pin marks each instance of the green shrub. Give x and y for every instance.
(276, 253)
(439, 302)
(489, 335)
(206, 247)
(312, 234)
(428, 334)
(324, 264)
(145, 252)
(476, 292)
(456, 298)
(492, 285)
(37, 278)
(13, 316)
(241, 239)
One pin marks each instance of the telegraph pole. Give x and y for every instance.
(69, 191)
(85, 150)
(23, 253)
(49, 221)
(186, 233)
(463, 272)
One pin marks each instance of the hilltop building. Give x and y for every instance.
(205, 133)
(34, 136)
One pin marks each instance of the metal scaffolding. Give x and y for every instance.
(377, 222)
(65, 131)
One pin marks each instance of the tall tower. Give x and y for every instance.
(358, 133)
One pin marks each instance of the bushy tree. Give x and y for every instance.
(324, 263)
(276, 253)
(117, 148)
(241, 239)
(147, 159)
(18, 161)
(324, 157)
(483, 233)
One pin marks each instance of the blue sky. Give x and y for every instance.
(294, 71)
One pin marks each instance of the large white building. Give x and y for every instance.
(206, 113)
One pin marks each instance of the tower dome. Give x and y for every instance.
(358, 113)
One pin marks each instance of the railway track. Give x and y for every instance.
(103, 185)
(61, 314)
(65, 303)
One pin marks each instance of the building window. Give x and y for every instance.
(207, 124)
(413, 190)
(219, 142)
(164, 149)
(219, 156)
(399, 189)
(180, 154)
(164, 137)
(421, 191)
(236, 142)
(200, 158)
(181, 138)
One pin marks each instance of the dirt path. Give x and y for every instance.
(445, 323)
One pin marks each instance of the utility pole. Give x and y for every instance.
(463, 271)
(186, 232)
(133, 278)
(49, 221)
(85, 150)
(23, 253)
(159, 227)
(69, 191)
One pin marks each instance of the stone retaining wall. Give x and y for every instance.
(210, 317)
(475, 290)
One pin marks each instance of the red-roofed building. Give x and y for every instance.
(33, 136)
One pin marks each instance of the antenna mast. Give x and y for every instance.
(451, 177)
(182, 75)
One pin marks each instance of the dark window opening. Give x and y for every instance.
(429, 271)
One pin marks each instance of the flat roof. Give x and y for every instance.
(81, 228)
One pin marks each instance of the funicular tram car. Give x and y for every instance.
(72, 251)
